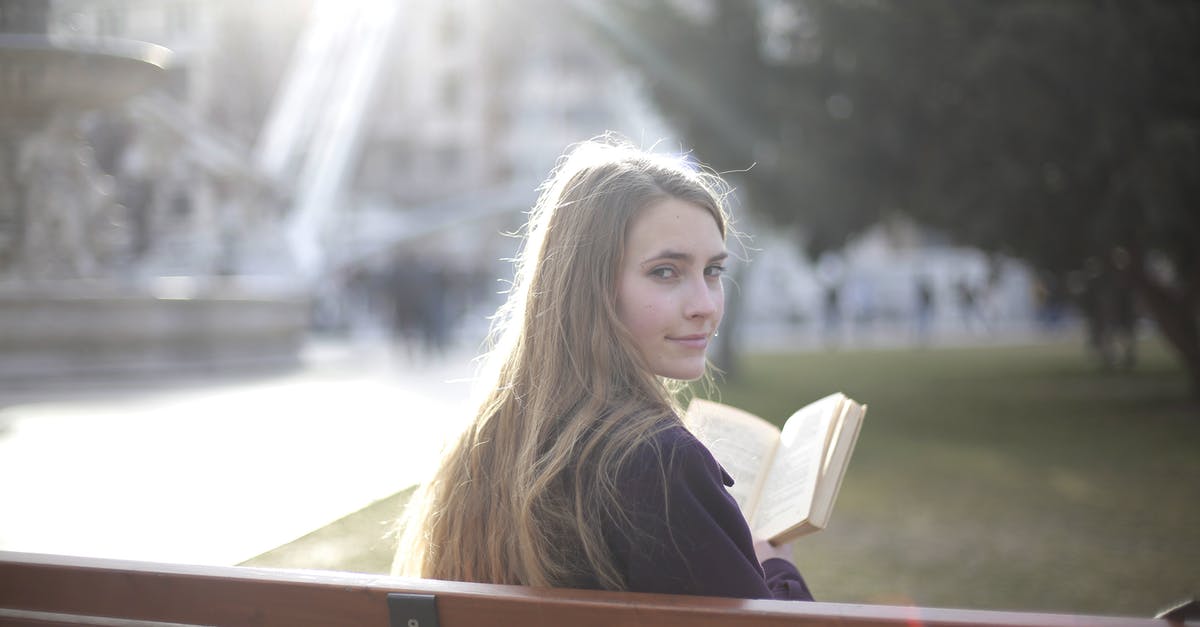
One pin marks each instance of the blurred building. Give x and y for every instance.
(393, 145)
(283, 136)
(475, 101)
(895, 284)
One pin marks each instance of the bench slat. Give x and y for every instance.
(238, 596)
(28, 618)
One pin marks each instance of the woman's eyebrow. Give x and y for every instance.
(681, 256)
(668, 254)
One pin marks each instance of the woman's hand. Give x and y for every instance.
(764, 551)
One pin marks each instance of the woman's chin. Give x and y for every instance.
(683, 372)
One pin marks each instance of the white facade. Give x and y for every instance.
(480, 94)
(877, 278)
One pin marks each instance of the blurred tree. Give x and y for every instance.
(1057, 132)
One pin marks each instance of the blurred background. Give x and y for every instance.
(249, 249)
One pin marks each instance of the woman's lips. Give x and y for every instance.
(699, 340)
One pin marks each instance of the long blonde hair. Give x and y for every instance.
(522, 496)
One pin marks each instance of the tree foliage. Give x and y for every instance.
(1053, 131)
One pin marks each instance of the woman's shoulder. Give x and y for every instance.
(674, 435)
(670, 439)
(680, 456)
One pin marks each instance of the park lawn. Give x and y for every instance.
(995, 478)
(1001, 478)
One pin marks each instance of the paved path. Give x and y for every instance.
(215, 471)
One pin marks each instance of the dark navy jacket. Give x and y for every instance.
(689, 537)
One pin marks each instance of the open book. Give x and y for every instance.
(785, 481)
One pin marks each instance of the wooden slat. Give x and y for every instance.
(235, 597)
(28, 618)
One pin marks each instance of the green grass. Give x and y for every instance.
(361, 542)
(999, 478)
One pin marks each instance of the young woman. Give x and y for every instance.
(577, 470)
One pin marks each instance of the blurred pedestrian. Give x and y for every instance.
(924, 312)
(832, 313)
(968, 305)
(1107, 302)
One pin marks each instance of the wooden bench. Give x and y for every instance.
(47, 590)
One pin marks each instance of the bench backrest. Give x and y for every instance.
(57, 590)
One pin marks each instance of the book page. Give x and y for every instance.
(742, 443)
(836, 461)
(787, 492)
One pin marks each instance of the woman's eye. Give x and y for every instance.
(714, 270)
(663, 272)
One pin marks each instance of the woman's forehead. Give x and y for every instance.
(674, 228)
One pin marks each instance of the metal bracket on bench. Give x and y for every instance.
(412, 610)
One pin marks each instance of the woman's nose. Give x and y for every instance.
(703, 299)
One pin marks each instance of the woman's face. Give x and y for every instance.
(669, 292)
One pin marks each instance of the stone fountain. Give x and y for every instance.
(76, 297)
